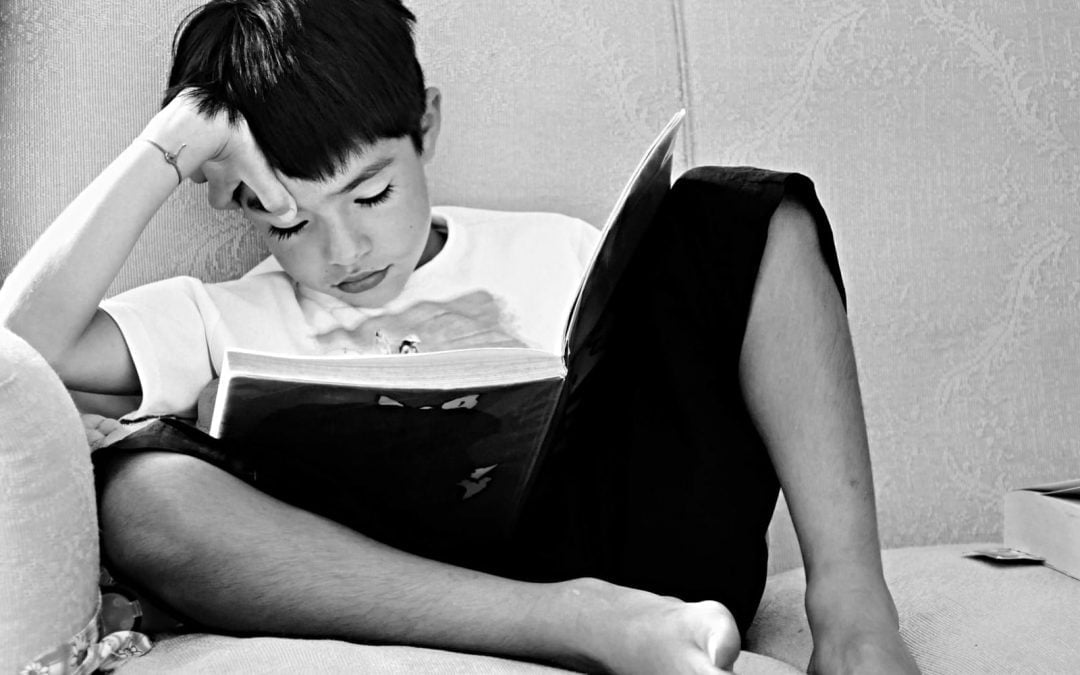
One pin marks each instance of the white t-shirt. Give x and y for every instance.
(178, 329)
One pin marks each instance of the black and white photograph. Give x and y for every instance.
(641, 337)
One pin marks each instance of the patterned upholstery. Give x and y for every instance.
(48, 524)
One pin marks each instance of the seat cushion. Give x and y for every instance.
(957, 614)
(203, 653)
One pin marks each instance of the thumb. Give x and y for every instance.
(275, 199)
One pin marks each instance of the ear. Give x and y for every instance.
(430, 123)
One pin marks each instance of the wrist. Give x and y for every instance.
(180, 125)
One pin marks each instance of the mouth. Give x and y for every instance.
(363, 281)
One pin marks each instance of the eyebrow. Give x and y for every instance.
(366, 173)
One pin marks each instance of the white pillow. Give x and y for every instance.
(48, 519)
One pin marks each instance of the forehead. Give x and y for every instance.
(363, 164)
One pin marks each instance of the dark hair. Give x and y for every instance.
(313, 78)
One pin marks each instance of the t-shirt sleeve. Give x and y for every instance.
(588, 239)
(166, 324)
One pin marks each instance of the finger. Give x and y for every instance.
(197, 176)
(274, 197)
(91, 420)
(220, 193)
(264, 181)
(109, 425)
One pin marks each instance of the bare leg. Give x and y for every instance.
(230, 556)
(799, 378)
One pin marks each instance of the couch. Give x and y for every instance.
(944, 139)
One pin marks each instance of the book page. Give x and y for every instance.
(1072, 492)
(627, 224)
(432, 371)
(1068, 488)
(436, 370)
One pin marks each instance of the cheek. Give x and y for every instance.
(297, 261)
(276, 249)
(404, 230)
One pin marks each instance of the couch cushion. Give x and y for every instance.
(957, 614)
(203, 653)
(48, 531)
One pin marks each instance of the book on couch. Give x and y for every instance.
(452, 435)
(1044, 521)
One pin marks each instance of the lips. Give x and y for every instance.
(363, 281)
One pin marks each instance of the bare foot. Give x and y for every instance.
(627, 631)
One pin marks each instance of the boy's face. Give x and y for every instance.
(360, 235)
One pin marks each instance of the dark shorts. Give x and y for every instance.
(660, 481)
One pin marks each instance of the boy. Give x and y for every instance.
(313, 118)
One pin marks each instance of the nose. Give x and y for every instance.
(346, 241)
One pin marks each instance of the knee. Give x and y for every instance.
(793, 226)
(149, 509)
(794, 255)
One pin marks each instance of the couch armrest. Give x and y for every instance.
(48, 521)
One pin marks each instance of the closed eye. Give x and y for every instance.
(282, 233)
(285, 232)
(377, 199)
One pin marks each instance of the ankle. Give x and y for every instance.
(578, 606)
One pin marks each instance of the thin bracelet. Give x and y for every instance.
(170, 157)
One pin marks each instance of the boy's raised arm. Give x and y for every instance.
(51, 297)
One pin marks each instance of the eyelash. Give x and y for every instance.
(377, 199)
(283, 233)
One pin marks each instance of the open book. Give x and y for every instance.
(442, 444)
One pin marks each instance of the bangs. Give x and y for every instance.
(316, 81)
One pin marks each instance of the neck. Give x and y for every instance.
(435, 242)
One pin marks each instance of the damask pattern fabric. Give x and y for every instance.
(48, 523)
(942, 134)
